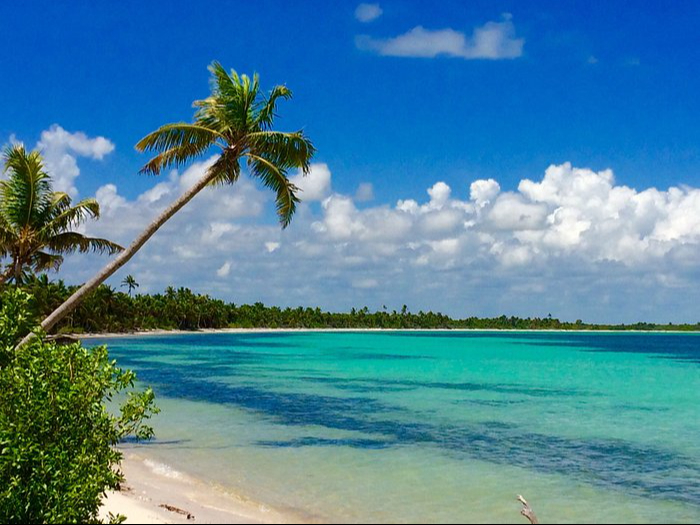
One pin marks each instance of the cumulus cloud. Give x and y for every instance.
(215, 207)
(316, 185)
(492, 41)
(61, 150)
(368, 12)
(365, 192)
(571, 241)
(225, 270)
(482, 192)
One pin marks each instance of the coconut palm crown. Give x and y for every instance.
(237, 119)
(36, 223)
(130, 283)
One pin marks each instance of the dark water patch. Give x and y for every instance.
(383, 385)
(677, 346)
(502, 388)
(357, 385)
(638, 408)
(325, 442)
(496, 403)
(498, 425)
(376, 356)
(131, 440)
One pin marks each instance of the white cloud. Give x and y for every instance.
(439, 194)
(482, 192)
(316, 185)
(365, 283)
(61, 148)
(209, 215)
(511, 212)
(365, 192)
(492, 41)
(368, 12)
(225, 270)
(573, 242)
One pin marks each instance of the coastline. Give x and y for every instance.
(204, 331)
(155, 493)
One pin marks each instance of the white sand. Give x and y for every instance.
(149, 487)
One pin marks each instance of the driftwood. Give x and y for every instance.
(527, 511)
(171, 508)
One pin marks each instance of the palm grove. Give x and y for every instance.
(57, 447)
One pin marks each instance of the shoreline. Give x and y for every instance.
(205, 331)
(156, 493)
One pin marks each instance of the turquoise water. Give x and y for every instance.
(433, 426)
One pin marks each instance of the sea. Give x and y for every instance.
(431, 426)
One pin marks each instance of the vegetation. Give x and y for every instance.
(237, 120)
(57, 437)
(107, 310)
(36, 223)
(130, 283)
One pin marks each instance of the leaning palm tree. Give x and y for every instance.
(237, 120)
(36, 223)
(130, 283)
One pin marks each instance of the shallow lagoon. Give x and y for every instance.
(433, 426)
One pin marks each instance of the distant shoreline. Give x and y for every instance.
(206, 331)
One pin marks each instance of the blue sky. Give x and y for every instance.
(401, 103)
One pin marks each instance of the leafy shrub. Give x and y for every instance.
(57, 437)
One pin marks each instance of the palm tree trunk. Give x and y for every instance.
(18, 273)
(74, 300)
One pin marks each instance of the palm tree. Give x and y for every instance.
(130, 283)
(36, 223)
(237, 120)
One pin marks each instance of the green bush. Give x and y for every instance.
(57, 437)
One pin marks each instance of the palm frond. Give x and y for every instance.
(286, 150)
(177, 143)
(26, 194)
(71, 242)
(226, 169)
(276, 179)
(266, 110)
(232, 107)
(65, 216)
(8, 237)
(60, 201)
(42, 261)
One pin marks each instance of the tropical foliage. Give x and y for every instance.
(237, 121)
(57, 436)
(130, 283)
(107, 310)
(37, 225)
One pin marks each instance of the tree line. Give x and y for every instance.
(111, 310)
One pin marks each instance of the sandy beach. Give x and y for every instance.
(155, 493)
